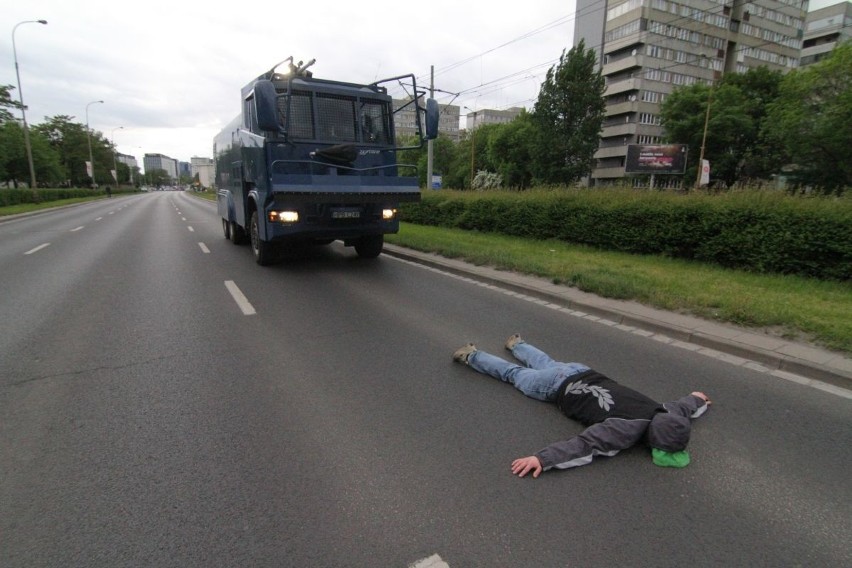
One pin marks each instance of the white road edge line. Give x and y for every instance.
(243, 303)
(204, 248)
(737, 361)
(38, 248)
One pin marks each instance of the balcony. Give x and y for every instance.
(626, 129)
(623, 64)
(622, 87)
(622, 108)
(611, 152)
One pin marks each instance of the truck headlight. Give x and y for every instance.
(388, 214)
(284, 216)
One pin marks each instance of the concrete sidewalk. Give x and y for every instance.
(790, 360)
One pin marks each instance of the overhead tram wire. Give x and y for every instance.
(561, 21)
(555, 23)
(536, 31)
(716, 10)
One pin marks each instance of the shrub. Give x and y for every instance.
(758, 231)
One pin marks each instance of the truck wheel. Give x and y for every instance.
(226, 228)
(370, 246)
(263, 251)
(236, 233)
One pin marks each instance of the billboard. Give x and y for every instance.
(655, 159)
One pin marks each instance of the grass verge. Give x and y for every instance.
(793, 307)
(30, 207)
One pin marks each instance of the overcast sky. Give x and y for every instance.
(170, 72)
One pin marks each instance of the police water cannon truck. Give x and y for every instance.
(310, 161)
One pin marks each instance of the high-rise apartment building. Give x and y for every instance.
(825, 29)
(647, 48)
(491, 116)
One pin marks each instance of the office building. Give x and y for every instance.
(160, 162)
(647, 48)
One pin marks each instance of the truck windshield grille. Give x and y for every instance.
(301, 123)
(335, 119)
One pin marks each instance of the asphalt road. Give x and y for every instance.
(164, 401)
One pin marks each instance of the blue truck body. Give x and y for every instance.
(312, 160)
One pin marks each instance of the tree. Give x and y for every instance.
(6, 103)
(811, 118)
(734, 144)
(511, 149)
(157, 178)
(68, 139)
(14, 165)
(13, 160)
(568, 116)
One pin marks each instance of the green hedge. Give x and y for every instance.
(757, 231)
(22, 196)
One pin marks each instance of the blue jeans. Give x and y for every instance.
(539, 378)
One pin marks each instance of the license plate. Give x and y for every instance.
(346, 214)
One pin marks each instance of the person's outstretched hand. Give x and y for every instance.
(523, 466)
(703, 396)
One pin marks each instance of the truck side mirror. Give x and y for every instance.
(266, 100)
(432, 115)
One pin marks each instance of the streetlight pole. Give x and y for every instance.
(114, 162)
(89, 138)
(21, 98)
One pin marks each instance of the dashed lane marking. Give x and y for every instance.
(240, 298)
(38, 248)
(80, 228)
(204, 248)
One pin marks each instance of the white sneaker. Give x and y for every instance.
(462, 353)
(513, 340)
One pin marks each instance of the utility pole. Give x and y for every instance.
(704, 138)
(429, 143)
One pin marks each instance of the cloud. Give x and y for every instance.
(170, 73)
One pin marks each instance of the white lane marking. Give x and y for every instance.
(38, 248)
(183, 218)
(433, 561)
(191, 230)
(99, 218)
(204, 248)
(243, 303)
(80, 228)
(111, 213)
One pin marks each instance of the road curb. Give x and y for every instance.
(776, 355)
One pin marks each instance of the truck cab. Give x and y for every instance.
(314, 160)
